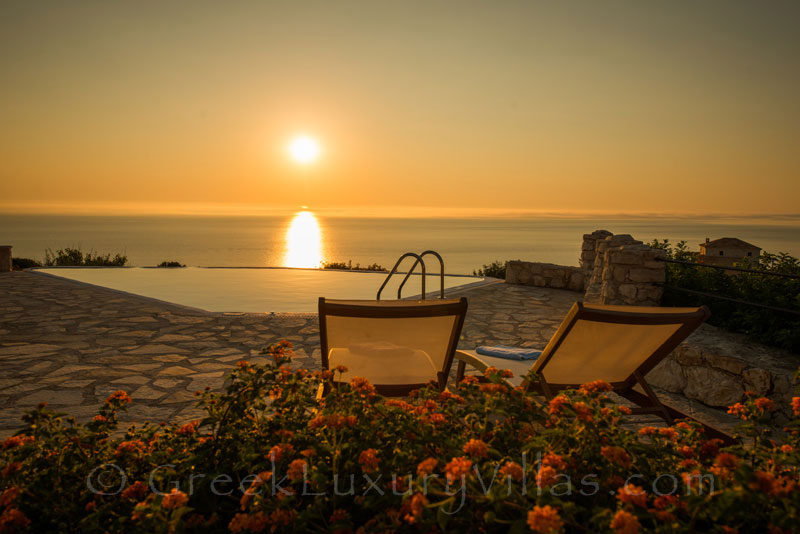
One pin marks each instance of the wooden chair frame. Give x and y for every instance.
(647, 402)
(397, 310)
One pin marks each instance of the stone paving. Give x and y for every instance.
(71, 344)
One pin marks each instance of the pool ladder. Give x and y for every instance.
(419, 261)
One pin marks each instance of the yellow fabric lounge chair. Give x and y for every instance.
(398, 345)
(618, 344)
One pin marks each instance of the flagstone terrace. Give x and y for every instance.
(71, 344)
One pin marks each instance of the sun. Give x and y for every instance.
(304, 149)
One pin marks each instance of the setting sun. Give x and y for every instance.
(304, 149)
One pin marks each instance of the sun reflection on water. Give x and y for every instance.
(303, 241)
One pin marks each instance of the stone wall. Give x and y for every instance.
(717, 368)
(615, 269)
(712, 366)
(624, 271)
(544, 275)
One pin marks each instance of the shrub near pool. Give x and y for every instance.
(269, 458)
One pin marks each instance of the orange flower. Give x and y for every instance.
(259, 481)
(399, 404)
(119, 395)
(512, 470)
(546, 476)
(282, 517)
(135, 491)
(339, 515)
(139, 510)
(786, 449)
(188, 428)
(648, 431)
(662, 502)
(727, 460)
(492, 388)
(796, 406)
(11, 468)
(616, 455)
(765, 405)
(99, 419)
(296, 470)
(129, 447)
(16, 441)
(544, 519)
(739, 410)
(669, 433)
(416, 507)
(624, 410)
(174, 499)
(594, 386)
(556, 403)
(12, 519)
(469, 380)
(8, 497)
(490, 371)
(433, 418)
(554, 460)
(362, 386)
(368, 460)
(632, 494)
(457, 468)
(625, 523)
(427, 466)
(583, 411)
(278, 452)
(477, 448)
(256, 522)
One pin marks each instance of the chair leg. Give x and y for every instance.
(460, 370)
(645, 401)
(652, 396)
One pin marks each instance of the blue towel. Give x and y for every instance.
(509, 353)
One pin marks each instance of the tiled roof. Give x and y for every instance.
(728, 242)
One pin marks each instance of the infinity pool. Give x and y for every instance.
(252, 290)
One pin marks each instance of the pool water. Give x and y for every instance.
(253, 290)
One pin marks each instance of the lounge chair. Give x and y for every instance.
(618, 344)
(398, 345)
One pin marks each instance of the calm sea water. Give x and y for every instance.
(301, 240)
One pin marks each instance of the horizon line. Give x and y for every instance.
(383, 212)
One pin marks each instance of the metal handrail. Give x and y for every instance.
(720, 267)
(394, 270)
(441, 276)
(729, 299)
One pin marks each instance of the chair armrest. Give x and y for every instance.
(471, 358)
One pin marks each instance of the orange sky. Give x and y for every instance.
(621, 107)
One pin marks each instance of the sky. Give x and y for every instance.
(448, 106)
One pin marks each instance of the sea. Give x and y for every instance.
(306, 238)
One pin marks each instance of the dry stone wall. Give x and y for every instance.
(717, 368)
(544, 275)
(615, 269)
(711, 366)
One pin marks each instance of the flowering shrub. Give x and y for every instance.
(270, 457)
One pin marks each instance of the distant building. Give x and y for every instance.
(727, 250)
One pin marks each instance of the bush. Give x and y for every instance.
(481, 458)
(771, 327)
(74, 257)
(170, 264)
(496, 269)
(24, 263)
(340, 265)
